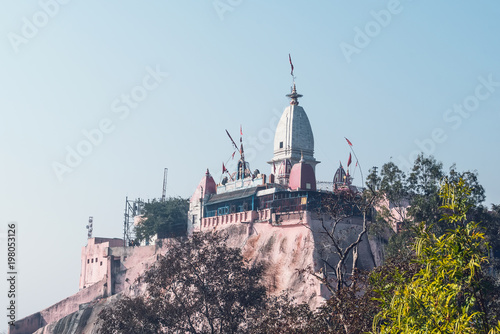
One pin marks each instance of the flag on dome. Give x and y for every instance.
(290, 59)
(348, 141)
(350, 160)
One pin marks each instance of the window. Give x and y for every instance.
(92, 260)
(101, 263)
(281, 144)
(88, 261)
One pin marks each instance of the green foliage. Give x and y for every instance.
(167, 219)
(419, 191)
(491, 221)
(393, 183)
(401, 243)
(447, 294)
(423, 189)
(373, 180)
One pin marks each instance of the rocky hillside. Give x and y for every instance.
(289, 253)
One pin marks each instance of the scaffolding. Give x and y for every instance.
(133, 208)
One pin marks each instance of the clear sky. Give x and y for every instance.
(162, 80)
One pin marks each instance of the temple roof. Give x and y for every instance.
(233, 195)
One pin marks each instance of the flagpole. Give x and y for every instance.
(227, 171)
(357, 161)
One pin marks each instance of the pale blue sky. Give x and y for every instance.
(223, 70)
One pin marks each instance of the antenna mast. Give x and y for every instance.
(164, 193)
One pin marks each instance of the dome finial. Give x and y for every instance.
(301, 156)
(294, 96)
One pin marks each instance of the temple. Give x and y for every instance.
(286, 196)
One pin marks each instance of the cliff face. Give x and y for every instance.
(285, 252)
(289, 252)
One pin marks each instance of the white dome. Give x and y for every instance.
(294, 136)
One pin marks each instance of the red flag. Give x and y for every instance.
(349, 161)
(348, 142)
(356, 163)
(223, 168)
(232, 156)
(241, 131)
(290, 59)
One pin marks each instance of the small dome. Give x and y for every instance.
(206, 186)
(302, 177)
(340, 176)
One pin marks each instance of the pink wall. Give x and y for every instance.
(59, 310)
(208, 224)
(95, 260)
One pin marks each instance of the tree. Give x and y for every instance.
(165, 219)
(336, 248)
(394, 187)
(351, 309)
(199, 286)
(423, 184)
(333, 210)
(282, 315)
(414, 197)
(447, 294)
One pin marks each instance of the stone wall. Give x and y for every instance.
(59, 310)
(95, 260)
(130, 263)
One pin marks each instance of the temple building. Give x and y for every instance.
(247, 196)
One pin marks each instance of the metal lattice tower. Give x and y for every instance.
(132, 208)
